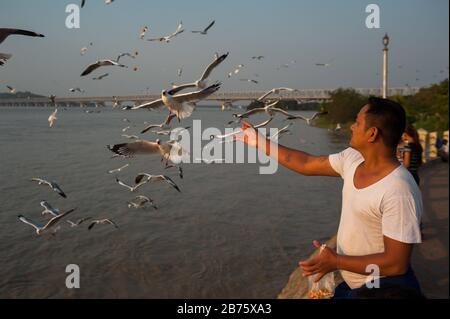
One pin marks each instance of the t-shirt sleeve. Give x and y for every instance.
(401, 217)
(340, 162)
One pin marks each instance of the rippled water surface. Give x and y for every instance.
(230, 233)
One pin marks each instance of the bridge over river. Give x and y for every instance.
(308, 95)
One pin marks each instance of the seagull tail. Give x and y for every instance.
(186, 111)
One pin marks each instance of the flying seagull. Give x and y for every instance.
(92, 67)
(167, 39)
(40, 229)
(269, 109)
(101, 76)
(73, 90)
(182, 105)
(163, 126)
(102, 221)
(205, 31)
(130, 188)
(52, 118)
(78, 222)
(155, 178)
(201, 83)
(48, 209)
(118, 169)
(55, 187)
(258, 57)
(307, 119)
(275, 91)
(170, 151)
(249, 80)
(238, 131)
(142, 200)
(143, 32)
(6, 32)
(125, 54)
(11, 89)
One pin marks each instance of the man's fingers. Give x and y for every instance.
(309, 262)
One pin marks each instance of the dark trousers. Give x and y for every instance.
(392, 287)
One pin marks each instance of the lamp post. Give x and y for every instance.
(385, 65)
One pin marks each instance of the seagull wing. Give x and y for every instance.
(29, 222)
(138, 147)
(180, 87)
(91, 68)
(124, 185)
(262, 97)
(251, 112)
(210, 67)
(198, 95)
(150, 105)
(6, 32)
(57, 218)
(276, 109)
(209, 27)
(58, 189)
(140, 176)
(92, 224)
(109, 221)
(169, 181)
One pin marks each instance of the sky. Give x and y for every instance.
(299, 33)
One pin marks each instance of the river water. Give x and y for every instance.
(230, 233)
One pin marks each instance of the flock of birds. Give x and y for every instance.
(180, 105)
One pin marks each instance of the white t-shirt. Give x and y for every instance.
(391, 207)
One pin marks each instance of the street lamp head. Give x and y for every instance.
(386, 40)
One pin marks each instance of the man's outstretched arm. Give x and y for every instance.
(298, 161)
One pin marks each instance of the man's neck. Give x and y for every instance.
(379, 158)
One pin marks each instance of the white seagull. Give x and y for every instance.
(167, 39)
(182, 105)
(40, 229)
(143, 32)
(48, 209)
(102, 222)
(55, 187)
(11, 89)
(100, 77)
(142, 200)
(118, 169)
(163, 126)
(205, 31)
(52, 118)
(201, 83)
(130, 188)
(155, 178)
(92, 67)
(78, 222)
(275, 91)
(269, 109)
(307, 119)
(73, 90)
(170, 151)
(238, 131)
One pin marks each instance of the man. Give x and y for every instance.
(381, 204)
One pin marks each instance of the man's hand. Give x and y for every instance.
(324, 263)
(248, 135)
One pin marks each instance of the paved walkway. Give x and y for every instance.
(430, 259)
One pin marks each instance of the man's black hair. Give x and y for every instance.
(389, 117)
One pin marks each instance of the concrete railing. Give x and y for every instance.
(428, 142)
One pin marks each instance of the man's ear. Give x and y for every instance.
(373, 133)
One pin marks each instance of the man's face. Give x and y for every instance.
(358, 129)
